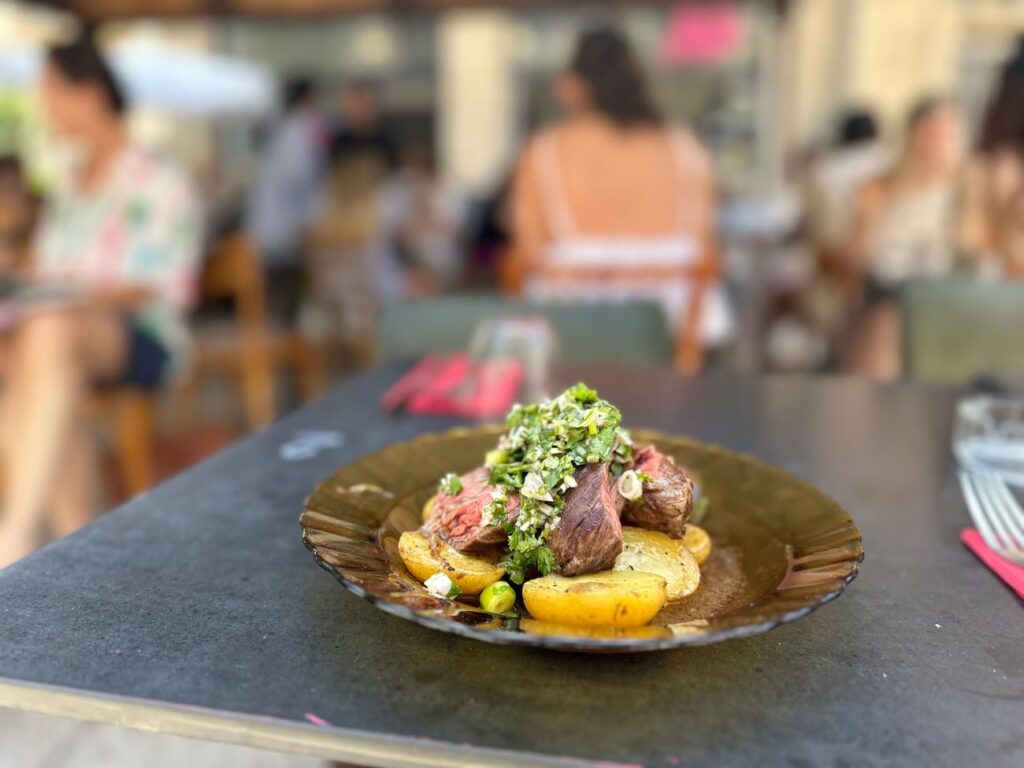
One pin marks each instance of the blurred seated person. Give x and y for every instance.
(904, 227)
(361, 135)
(122, 231)
(17, 215)
(613, 203)
(857, 156)
(419, 220)
(992, 222)
(284, 197)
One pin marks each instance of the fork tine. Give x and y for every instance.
(1007, 508)
(993, 511)
(978, 513)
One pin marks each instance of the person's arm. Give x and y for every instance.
(529, 228)
(869, 202)
(973, 233)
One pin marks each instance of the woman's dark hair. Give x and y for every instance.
(855, 127)
(81, 63)
(297, 91)
(1003, 126)
(605, 62)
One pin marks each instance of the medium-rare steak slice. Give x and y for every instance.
(667, 500)
(457, 519)
(588, 536)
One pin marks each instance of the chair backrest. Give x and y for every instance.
(232, 270)
(956, 329)
(629, 333)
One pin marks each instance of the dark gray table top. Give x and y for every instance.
(196, 609)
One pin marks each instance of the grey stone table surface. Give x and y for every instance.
(196, 609)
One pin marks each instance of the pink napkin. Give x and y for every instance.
(452, 386)
(1012, 574)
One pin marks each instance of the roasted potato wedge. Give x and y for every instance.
(424, 558)
(652, 552)
(696, 540)
(605, 599)
(429, 507)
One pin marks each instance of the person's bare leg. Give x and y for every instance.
(73, 499)
(875, 348)
(57, 355)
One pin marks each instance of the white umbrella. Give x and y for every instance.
(170, 78)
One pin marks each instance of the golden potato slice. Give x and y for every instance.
(429, 507)
(696, 540)
(605, 599)
(472, 574)
(652, 552)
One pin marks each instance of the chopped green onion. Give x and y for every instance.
(630, 486)
(441, 585)
(499, 597)
(450, 484)
(495, 457)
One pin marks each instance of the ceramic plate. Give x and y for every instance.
(780, 547)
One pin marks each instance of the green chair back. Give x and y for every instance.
(630, 333)
(955, 329)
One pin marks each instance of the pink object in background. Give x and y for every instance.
(454, 386)
(702, 33)
(1012, 574)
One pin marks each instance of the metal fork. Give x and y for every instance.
(996, 513)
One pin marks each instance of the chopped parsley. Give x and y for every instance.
(450, 484)
(537, 458)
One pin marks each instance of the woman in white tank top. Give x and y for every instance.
(613, 205)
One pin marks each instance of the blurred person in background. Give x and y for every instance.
(346, 272)
(17, 215)
(613, 203)
(857, 155)
(361, 134)
(904, 227)
(419, 220)
(830, 181)
(284, 197)
(992, 223)
(122, 230)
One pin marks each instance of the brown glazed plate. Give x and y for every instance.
(780, 547)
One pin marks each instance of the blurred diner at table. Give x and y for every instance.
(614, 203)
(904, 227)
(284, 196)
(118, 245)
(992, 224)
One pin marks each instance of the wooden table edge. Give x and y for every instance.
(328, 742)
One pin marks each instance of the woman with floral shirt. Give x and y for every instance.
(121, 235)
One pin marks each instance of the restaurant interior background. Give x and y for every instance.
(762, 84)
(458, 91)
(460, 87)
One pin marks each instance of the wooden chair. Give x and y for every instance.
(249, 348)
(131, 417)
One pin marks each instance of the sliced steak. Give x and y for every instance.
(457, 519)
(588, 537)
(668, 497)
